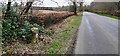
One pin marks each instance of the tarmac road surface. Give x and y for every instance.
(97, 35)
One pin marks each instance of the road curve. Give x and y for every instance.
(97, 35)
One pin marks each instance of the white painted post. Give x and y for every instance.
(35, 34)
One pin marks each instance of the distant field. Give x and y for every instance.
(38, 12)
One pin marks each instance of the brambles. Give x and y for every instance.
(10, 27)
(14, 29)
(47, 17)
(19, 28)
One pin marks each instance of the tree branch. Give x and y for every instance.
(55, 2)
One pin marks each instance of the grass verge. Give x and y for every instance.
(61, 44)
(104, 14)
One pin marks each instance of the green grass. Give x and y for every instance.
(59, 43)
(104, 14)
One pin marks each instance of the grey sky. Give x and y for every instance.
(48, 3)
(106, 0)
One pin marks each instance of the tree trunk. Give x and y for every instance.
(75, 8)
(27, 7)
(8, 6)
(7, 13)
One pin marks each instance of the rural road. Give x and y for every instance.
(97, 35)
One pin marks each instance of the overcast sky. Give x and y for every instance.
(49, 3)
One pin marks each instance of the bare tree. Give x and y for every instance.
(74, 7)
(81, 6)
(8, 5)
(55, 2)
(7, 13)
(27, 7)
(29, 4)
